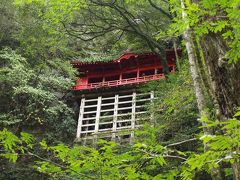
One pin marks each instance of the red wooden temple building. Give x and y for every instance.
(110, 104)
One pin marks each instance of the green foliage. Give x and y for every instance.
(206, 17)
(12, 145)
(35, 37)
(99, 57)
(31, 95)
(105, 162)
(141, 161)
(7, 24)
(99, 27)
(222, 149)
(174, 108)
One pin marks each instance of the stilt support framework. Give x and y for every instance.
(112, 117)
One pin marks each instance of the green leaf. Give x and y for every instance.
(27, 138)
(237, 114)
(161, 160)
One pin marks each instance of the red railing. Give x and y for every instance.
(118, 82)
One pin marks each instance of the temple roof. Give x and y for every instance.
(130, 59)
(125, 56)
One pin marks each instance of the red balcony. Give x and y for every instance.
(119, 82)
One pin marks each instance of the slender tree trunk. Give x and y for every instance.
(193, 67)
(216, 173)
(176, 53)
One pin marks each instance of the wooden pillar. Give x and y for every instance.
(138, 73)
(99, 102)
(133, 118)
(80, 118)
(98, 112)
(114, 129)
(120, 76)
(152, 119)
(152, 96)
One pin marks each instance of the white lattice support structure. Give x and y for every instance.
(112, 116)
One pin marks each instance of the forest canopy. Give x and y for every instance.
(196, 132)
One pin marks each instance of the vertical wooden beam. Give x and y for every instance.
(120, 76)
(99, 102)
(133, 118)
(80, 118)
(115, 113)
(152, 119)
(98, 113)
(152, 96)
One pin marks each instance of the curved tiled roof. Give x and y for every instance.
(125, 56)
(121, 58)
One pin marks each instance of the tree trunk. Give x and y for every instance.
(236, 170)
(202, 70)
(216, 173)
(225, 78)
(193, 67)
(176, 53)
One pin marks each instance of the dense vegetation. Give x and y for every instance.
(196, 133)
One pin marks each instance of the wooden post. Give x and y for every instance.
(80, 117)
(120, 78)
(99, 102)
(98, 113)
(115, 113)
(153, 122)
(133, 116)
